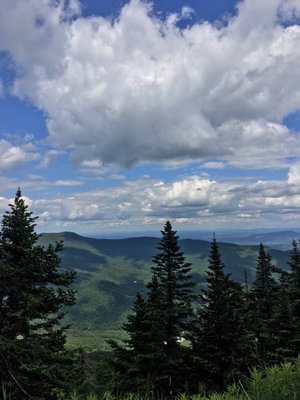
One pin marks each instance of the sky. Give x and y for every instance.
(116, 115)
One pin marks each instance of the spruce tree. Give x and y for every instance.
(176, 291)
(294, 264)
(283, 329)
(33, 291)
(155, 350)
(126, 362)
(174, 280)
(294, 294)
(217, 338)
(264, 285)
(138, 363)
(153, 355)
(261, 309)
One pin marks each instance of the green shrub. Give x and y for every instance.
(280, 382)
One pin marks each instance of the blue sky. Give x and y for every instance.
(115, 115)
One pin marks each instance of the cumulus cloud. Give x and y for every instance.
(214, 165)
(14, 156)
(49, 157)
(66, 182)
(294, 175)
(141, 89)
(190, 201)
(289, 10)
(37, 184)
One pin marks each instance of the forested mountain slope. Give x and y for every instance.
(110, 271)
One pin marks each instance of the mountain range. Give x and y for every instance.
(111, 271)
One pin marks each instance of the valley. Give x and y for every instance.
(111, 271)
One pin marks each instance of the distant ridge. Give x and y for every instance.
(273, 236)
(111, 271)
(280, 240)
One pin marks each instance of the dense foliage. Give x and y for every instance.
(109, 272)
(280, 382)
(178, 342)
(154, 359)
(33, 291)
(216, 340)
(235, 328)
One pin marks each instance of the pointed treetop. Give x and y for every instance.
(168, 227)
(18, 197)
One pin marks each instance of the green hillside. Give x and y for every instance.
(110, 271)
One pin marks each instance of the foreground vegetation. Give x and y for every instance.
(177, 343)
(280, 382)
(172, 347)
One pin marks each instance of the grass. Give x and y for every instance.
(280, 382)
(93, 340)
(5, 391)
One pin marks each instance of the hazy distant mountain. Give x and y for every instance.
(279, 240)
(110, 271)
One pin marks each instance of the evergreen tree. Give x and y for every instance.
(294, 293)
(136, 363)
(176, 294)
(294, 278)
(263, 288)
(217, 339)
(283, 329)
(126, 363)
(176, 287)
(153, 356)
(261, 309)
(33, 291)
(157, 358)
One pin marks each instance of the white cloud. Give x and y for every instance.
(192, 192)
(49, 157)
(294, 175)
(289, 10)
(14, 156)
(214, 165)
(67, 182)
(190, 201)
(140, 89)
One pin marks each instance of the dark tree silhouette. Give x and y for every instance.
(33, 292)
